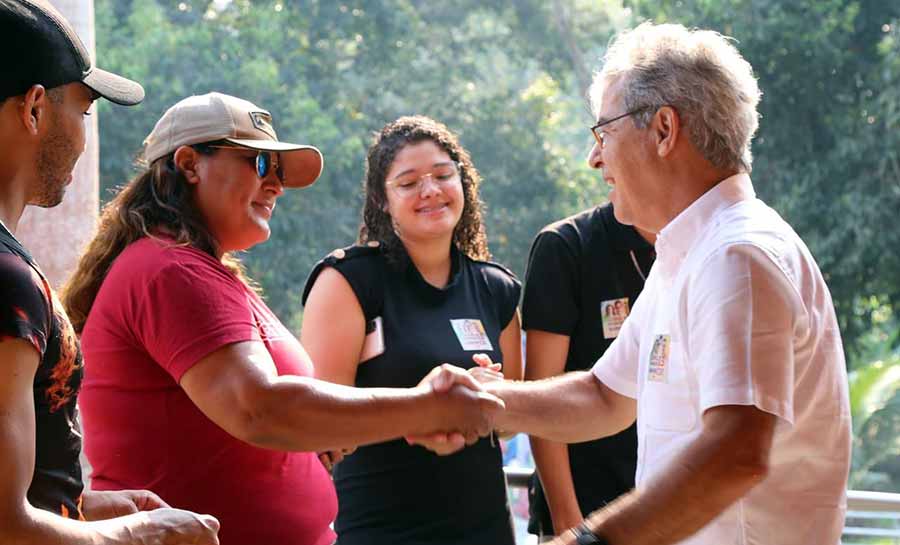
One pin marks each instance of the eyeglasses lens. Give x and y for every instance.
(263, 163)
(411, 185)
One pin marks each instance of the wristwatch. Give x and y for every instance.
(584, 536)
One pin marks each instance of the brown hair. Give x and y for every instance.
(469, 236)
(156, 201)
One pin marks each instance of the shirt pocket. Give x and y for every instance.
(667, 400)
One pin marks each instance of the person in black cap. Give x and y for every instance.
(49, 53)
(48, 86)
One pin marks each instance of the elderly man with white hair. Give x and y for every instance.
(731, 360)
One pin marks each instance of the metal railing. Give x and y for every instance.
(872, 517)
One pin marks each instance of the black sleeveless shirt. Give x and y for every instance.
(391, 492)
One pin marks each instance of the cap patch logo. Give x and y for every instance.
(263, 122)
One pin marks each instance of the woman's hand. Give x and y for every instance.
(331, 458)
(487, 371)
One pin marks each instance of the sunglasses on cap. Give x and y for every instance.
(265, 161)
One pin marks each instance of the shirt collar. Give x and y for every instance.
(676, 239)
(6, 231)
(426, 289)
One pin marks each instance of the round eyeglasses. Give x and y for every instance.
(410, 184)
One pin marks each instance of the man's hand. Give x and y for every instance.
(97, 505)
(464, 410)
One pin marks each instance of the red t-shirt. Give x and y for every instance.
(160, 310)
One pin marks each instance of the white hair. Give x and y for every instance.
(699, 73)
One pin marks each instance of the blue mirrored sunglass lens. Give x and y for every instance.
(262, 164)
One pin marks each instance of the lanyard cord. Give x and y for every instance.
(637, 266)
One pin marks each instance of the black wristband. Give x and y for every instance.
(584, 536)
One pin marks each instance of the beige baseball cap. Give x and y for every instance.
(216, 116)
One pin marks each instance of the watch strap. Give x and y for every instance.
(585, 536)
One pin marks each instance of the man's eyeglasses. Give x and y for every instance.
(265, 162)
(599, 135)
(409, 185)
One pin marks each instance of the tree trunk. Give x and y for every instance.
(562, 19)
(56, 236)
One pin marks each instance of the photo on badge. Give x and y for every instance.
(613, 313)
(471, 334)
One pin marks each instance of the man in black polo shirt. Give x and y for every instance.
(48, 86)
(584, 274)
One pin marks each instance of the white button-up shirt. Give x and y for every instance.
(736, 312)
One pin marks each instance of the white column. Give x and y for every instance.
(56, 236)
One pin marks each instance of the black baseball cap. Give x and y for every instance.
(41, 47)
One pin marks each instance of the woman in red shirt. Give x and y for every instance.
(193, 388)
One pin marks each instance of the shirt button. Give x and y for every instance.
(373, 244)
(338, 254)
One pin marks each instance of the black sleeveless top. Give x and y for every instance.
(391, 492)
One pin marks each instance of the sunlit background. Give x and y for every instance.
(510, 77)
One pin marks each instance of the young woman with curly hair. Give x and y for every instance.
(416, 290)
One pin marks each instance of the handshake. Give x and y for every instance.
(462, 408)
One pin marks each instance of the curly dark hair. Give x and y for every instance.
(469, 236)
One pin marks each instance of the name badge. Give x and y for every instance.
(373, 345)
(471, 334)
(659, 358)
(614, 313)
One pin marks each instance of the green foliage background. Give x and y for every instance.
(510, 77)
(332, 73)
